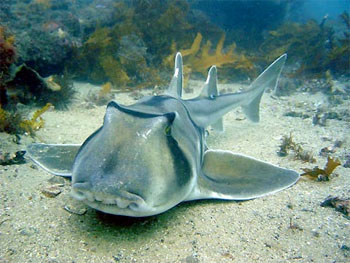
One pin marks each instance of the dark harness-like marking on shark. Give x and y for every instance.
(150, 156)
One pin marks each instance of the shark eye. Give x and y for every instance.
(167, 130)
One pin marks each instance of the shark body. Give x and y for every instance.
(152, 155)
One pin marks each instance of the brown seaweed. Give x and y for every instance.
(128, 51)
(199, 57)
(304, 43)
(7, 58)
(103, 96)
(322, 174)
(288, 145)
(339, 56)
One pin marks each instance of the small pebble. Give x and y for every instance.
(33, 166)
(75, 210)
(51, 191)
(315, 233)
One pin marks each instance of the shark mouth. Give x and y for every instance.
(122, 199)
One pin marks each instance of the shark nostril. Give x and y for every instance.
(80, 191)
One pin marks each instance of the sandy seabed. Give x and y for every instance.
(289, 226)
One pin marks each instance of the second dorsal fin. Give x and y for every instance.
(210, 90)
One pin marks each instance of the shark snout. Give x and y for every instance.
(120, 198)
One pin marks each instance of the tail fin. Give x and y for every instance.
(267, 79)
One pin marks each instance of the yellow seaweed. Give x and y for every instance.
(193, 50)
(44, 3)
(114, 71)
(105, 89)
(36, 122)
(100, 38)
(200, 57)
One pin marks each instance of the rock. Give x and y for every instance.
(340, 204)
(75, 209)
(51, 191)
(12, 158)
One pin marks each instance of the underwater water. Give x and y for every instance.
(62, 62)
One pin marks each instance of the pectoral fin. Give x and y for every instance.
(230, 176)
(57, 159)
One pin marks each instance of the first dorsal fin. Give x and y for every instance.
(210, 90)
(175, 87)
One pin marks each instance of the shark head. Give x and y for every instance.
(131, 165)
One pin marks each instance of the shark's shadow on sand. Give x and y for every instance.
(125, 229)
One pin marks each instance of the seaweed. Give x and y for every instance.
(36, 122)
(287, 145)
(7, 53)
(206, 59)
(10, 122)
(314, 46)
(198, 58)
(127, 51)
(329, 83)
(304, 43)
(14, 123)
(322, 174)
(339, 56)
(332, 90)
(103, 96)
(105, 64)
(114, 71)
(46, 4)
(7, 58)
(135, 47)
